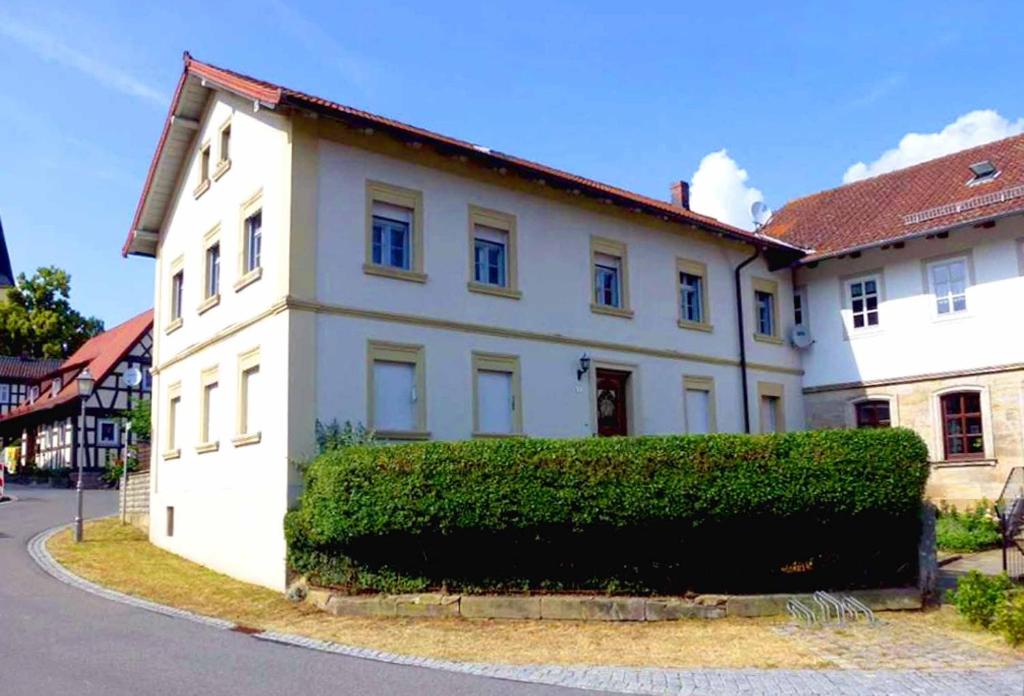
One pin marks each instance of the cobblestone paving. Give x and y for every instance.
(984, 679)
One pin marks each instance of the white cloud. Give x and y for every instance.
(719, 188)
(974, 128)
(52, 48)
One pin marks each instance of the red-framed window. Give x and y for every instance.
(962, 431)
(873, 414)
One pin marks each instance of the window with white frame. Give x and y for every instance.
(396, 390)
(209, 408)
(607, 280)
(699, 405)
(490, 256)
(253, 241)
(765, 312)
(496, 395)
(249, 395)
(609, 277)
(800, 306)
(5, 393)
(173, 442)
(107, 431)
(948, 280)
(213, 270)
(392, 236)
(863, 295)
(691, 277)
(771, 412)
(177, 294)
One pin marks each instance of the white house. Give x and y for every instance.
(314, 261)
(912, 295)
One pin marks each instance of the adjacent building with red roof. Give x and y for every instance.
(48, 420)
(912, 293)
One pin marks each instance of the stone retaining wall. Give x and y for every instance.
(588, 608)
(134, 501)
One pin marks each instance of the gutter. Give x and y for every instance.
(742, 336)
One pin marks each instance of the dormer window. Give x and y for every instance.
(55, 386)
(982, 171)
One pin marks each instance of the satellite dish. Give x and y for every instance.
(761, 213)
(132, 376)
(800, 337)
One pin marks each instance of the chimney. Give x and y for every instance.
(680, 194)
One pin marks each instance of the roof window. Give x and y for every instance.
(983, 171)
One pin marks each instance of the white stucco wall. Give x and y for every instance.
(911, 338)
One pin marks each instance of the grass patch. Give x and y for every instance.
(120, 557)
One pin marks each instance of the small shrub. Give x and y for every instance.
(1009, 619)
(978, 598)
(974, 529)
(333, 437)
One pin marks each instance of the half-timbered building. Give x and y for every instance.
(18, 375)
(49, 422)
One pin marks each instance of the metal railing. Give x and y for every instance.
(1010, 508)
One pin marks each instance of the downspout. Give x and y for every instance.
(743, 340)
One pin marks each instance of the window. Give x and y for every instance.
(800, 306)
(5, 393)
(699, 405)
(173, 442)
(948, 281)
(766, 318)
(204, 171)
(392, 236)
(496, 395)
(863, 296)
(208, 410)
(396, 391)
(693, 304)
(394, 232)
(253, 241)
(33, 393)
(492, 248)
(962, 430)
(249, 395)
(609, 277)
(771, 411)
(873, 413)
(177, 294)
(225, 144)
(107, 432)
(213, 270)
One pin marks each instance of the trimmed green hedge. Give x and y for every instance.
(640, 515)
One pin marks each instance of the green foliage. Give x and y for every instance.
(1009, 619)
(638, 514)
(332, 436)
(37, 319)
(979, 597)
(112, 474)
(975, 529)
(140, 418)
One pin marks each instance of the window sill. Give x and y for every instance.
(208, 447)
(854, 334)
(611, 311)
(202, 188)
(173, 326)
(209, 303)
(955, 463)
(222, 167)
(765, 338)
(243, 440)
(396, 273)
(171, 454)
(695, 325)
(952, 317)
(496, 290)
(497, 436)
(402, 434)
(249, 278)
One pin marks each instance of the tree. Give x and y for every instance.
(37, 319)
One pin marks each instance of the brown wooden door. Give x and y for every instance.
(611, 403)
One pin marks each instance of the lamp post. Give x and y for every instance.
(85, 385)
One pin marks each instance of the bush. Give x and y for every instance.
(1009, 619)
(638, 515)
(333, 436)
(979, 597)
(975, 529)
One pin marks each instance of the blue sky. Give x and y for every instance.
(634, 95)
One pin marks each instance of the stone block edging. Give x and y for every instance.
(589, 607)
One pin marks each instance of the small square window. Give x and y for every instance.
(107, 431)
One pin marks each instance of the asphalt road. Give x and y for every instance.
(55, 639)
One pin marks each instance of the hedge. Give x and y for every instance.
(641, 515)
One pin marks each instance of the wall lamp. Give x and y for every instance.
(584, 367)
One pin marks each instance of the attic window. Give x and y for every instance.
(55, 386)
(983, 171)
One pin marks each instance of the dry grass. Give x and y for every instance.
(121, 558)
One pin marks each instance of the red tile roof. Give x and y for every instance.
(276, 96)
(101, 354)
(24, 369)
(928, 197)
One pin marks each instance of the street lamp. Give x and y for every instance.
(85, 385)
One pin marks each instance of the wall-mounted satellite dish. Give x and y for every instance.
(800, 337)
(132, 377)
(761, 213)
